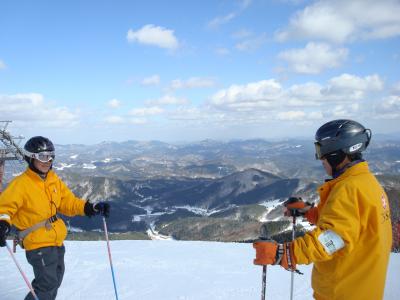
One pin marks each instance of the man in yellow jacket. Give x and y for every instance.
(351, 244)
(32, 202)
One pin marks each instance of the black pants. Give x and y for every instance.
(48, 267)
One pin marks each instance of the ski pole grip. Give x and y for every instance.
(295, 205)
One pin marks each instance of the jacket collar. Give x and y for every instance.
(337, 173)
(356, 169)
(36, 177)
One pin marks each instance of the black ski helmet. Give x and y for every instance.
(36, 145)
(347, 136)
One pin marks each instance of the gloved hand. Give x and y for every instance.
(99, 208)
(296, 207)
(272, 253)
(4, 230)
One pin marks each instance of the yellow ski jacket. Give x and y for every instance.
(351, 244)
(29, 199)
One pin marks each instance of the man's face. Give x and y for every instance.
(43, 167)
(327, 167)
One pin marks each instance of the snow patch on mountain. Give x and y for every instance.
(89, 166)
(203, 211)
(62, 166)
(155, 235)
(74, 229)
(119, 169)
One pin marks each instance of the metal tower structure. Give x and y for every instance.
(9, 148)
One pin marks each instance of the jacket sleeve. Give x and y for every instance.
(339, 220)
(70, 205)
(10, 201)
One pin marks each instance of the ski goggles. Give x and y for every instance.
(43, 157)
(318, 154)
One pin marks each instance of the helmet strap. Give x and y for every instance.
(335, 159)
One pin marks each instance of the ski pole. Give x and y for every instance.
(22, 272)
(264, 236)
(109, 256)
(292, 273)
(264, 282)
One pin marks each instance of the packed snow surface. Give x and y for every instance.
(167, 270)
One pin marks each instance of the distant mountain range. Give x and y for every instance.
(206, 159)
(206, 190)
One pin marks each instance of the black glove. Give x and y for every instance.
(99, 208)
(4, 230)
(296, 207)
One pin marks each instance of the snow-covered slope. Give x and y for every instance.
(152, 270)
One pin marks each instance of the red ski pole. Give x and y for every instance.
(292, 274)
(22, 272)
(109, 256)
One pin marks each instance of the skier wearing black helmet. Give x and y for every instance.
(31, 202)
(340, 142)
(350, 245)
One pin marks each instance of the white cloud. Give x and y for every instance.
(2, 65)
(396, 87)
(246, 97)
(314, 58)
(299, 115)
(168, 100)
(251, 44)
(266, 101)
(154, 36)
(343, 20)
(114, 120)
(309, 91)
(352, 87)
(189, 114)
(221, 20)
(152, 80)
(344, 111)
(242, 34)
(389, 108)
(245, 3)
(146, 111)
(291, 115)
(193, 82)
(341, 95)
(315, 115)
(138, 121)
(202, 116)
(31, 109)
(114, 103)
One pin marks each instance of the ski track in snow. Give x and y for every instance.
(152, 270)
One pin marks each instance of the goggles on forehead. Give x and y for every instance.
(43, 157)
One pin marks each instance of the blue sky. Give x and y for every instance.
(90, 71)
